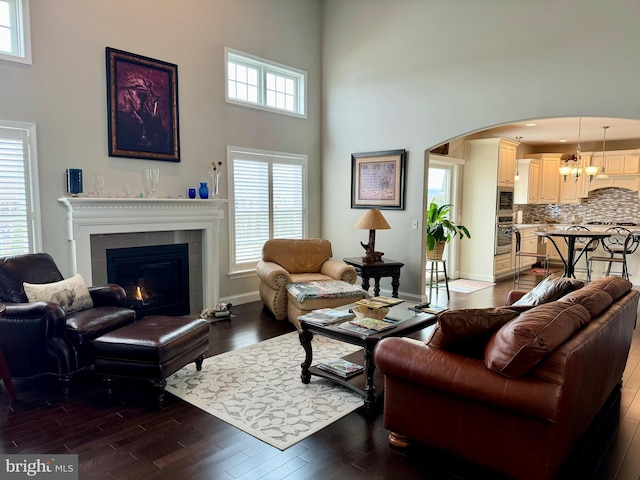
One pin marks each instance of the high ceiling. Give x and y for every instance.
(552, 130)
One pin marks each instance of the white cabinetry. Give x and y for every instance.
(549, 177)
(527, 190)
(506, 164)
(486, 161)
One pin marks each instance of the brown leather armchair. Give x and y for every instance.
(287, 261)
(39, 337)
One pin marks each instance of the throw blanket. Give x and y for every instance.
(303, 291)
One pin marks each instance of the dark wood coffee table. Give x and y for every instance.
(369, 382)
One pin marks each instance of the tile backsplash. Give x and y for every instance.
(603, 205)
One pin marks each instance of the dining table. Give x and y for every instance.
(570, 237)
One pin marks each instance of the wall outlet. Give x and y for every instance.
(414, 224)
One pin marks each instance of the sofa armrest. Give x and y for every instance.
(339, 270)
(110, 295)
(272, 274)
(514, 295)
(412, 362)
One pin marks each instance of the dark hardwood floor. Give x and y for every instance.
(126, 436)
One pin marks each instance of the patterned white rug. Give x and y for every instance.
(258, 389)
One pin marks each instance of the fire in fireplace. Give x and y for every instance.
(155, 278)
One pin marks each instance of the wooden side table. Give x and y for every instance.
(377, 270)
(4, 369)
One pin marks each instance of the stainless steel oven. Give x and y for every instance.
(504, 232)
(504, 201)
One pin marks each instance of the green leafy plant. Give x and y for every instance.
(440, 228)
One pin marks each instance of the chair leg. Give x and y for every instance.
(446, 278)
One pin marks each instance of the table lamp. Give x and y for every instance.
(372, 220)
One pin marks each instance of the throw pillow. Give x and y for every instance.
(593, 299)
(520, 344)
(549, 289)
(614, 286)
(72, 294)
(467, 331)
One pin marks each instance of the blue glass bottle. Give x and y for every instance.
(203, 191)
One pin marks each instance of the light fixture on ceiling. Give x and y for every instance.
(602, 173)
(572, 163)
(517, 178)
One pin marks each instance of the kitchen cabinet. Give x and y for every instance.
(486, 161)
(506, 164)
(503, 265)
(631, 164)
(618, 162)
(549, 177)
(527, 190)
(571, 190)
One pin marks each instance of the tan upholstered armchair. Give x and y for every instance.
(287, 261)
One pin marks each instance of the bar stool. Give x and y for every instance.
(621, 243)
(435, 268)
(517, 268)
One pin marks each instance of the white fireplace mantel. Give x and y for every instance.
(96, 216)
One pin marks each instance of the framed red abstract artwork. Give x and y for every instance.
(142, 100)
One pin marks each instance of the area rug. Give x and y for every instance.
(462, 285)
(258, 389)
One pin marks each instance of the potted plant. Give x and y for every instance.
(441, 230)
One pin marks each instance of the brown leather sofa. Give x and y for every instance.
(521, 403)
(39, 337)
(287, 261)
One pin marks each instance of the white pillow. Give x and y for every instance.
(72, 294)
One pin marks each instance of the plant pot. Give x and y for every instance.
(436, 253)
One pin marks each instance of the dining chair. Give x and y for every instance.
(530, 277)
(619, 245)
(583, 246)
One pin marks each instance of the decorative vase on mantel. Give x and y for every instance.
(437, 252)
(215, 182)
(203, 191)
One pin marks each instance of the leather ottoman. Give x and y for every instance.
(152, 349)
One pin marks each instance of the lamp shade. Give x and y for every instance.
(372, 220)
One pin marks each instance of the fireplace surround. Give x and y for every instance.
(87, 217)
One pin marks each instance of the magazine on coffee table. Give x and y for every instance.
(341, 367)
(326, 316)
(370, 325)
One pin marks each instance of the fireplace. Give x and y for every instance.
(155, 278)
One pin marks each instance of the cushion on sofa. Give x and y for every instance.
(549, 289)
(468, 331)
(521, 343)
(614, 286)
(594, 300)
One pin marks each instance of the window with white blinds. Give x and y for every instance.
(269, 201)
(19, 225)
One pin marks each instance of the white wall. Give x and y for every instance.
(413, 73)
(64, 93)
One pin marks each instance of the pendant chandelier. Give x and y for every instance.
(602, 173)
(572, 163)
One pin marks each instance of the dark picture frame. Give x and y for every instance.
(377, 179)
(142, 100)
